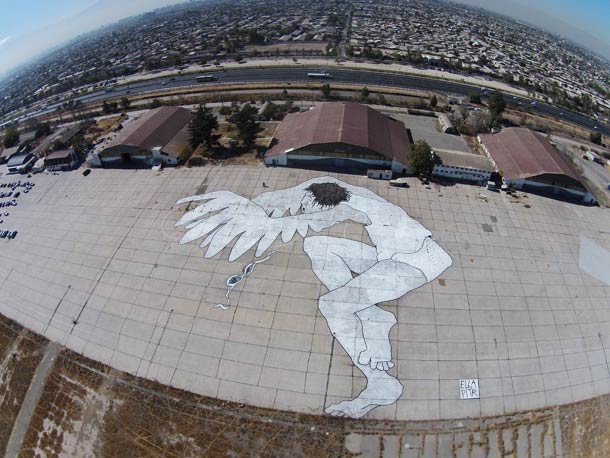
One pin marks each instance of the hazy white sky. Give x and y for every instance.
(29, 27)
(586, 22)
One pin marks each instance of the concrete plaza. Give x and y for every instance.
(97, 267)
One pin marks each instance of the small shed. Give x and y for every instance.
(379, 174)
(445, 125)
(65, 159)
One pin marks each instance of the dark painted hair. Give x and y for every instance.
(328, 194)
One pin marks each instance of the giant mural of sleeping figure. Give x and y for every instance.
(358, 276)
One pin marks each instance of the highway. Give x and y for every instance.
(361, 77)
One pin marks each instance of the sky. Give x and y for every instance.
(586, 22)
(30, 27)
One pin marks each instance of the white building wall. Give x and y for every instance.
(120, 160)
(282, 160)
(398, 167)
(461, 173)
(379, 174)
(584, 196)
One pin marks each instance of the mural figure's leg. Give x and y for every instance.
(359, 325)
(385, 281)
(376, 326)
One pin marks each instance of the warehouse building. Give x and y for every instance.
(527, 161)
(346, 136)
(20, 163)
(159, 136)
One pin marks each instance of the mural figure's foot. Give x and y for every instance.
(376, 325)
(381, 391)
(377, 357)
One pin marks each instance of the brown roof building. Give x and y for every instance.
(61, 160)
(529, 162)
(342, 135)
(160, 134)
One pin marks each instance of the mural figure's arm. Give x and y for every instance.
(318, 220)
(225, 216)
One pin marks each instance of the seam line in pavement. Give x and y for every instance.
(330, 363)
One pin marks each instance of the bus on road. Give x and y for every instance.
(319, 75)
(206, 78)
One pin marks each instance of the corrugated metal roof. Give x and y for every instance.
(459, 159)
(177, 144)
(155, 128)
(61, 154)
(343, 122)
(8, 152)
(521, 153)
(18, 159)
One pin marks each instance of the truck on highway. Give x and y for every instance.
(319, 75)
(206, 78)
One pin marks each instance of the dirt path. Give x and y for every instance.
(31, 400)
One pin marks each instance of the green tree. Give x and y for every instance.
(326, 89)
(201, 127)
(109, 107)
(497, 104)
(11, 137)
(596, 137)
(421, 160)
(43, 129)
(365, 92)
(156, 103)
(125, 103)
(58, 145)
(255, 38)
(247, 125)
(586, 102)
(474, 97)
(433, 101)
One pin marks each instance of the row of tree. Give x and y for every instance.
(203, 126)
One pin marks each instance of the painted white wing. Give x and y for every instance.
(220, 219)
(225, 215)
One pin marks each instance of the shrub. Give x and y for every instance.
(196, 161)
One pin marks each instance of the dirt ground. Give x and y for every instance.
(19, 356)
(549, 125)
(238, 156)
(88, 409)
